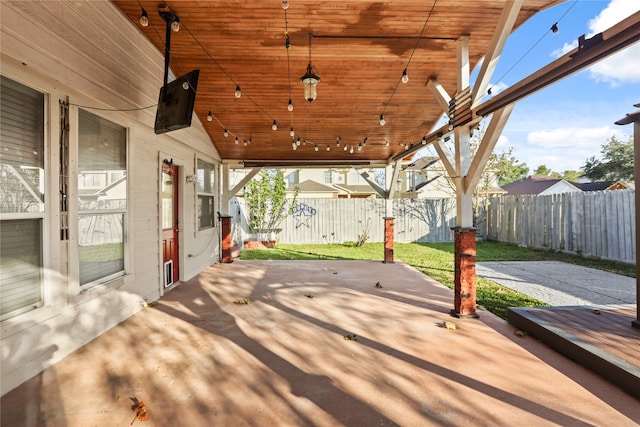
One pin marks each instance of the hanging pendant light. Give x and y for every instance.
(310, 79)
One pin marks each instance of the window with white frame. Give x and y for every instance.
(102, 152)
(328, 176)
(206, 177)
(22, 202)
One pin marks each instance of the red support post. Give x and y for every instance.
(465, 273)
(226, 238)
(388, 240)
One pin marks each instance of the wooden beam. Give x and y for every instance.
(600, 46)
(445, 157)
(442, 97)
(503, 30)
(381, 191)
(253, 172)
(397, 166)
(464, 69)
(489, 140)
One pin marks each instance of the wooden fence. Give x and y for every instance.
(592, 224)
(343, 220)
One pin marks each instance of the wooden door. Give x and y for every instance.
(170, 224)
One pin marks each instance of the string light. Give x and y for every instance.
(328, 148)
(424, 140)
(360, 146)
(175, 25)
(144, 18)
(345, 147)
(245, 143)
(405, 76)
(298, 141)
(351, 150)
(292, 132)
(295, 146)
(386, 144)
(274, 126)
(209, 116)
(290, 106)
(285, 4)
(406, 146)
(338, 142)
(225, 133)
(382, 121)
(236, 140)
(238, 93)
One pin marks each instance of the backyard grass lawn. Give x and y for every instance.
(436, 261)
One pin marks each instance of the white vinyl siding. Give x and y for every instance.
(102, 159)
(22, 203)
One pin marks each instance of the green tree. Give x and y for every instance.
(616, 163)
(505, 167)
(266, 202)
(571, 175)
(543, 170)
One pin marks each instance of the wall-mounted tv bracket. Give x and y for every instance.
(169, 18)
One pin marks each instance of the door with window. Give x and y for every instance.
(170, 223)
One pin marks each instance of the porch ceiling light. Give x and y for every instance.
(310, 79)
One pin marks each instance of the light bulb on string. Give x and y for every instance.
(351, 150)
(406, 146)
(424, 140)
(360, 147)
(274, 126)
(298, 141)
(386, 143)
(290, 106)
(285, 4)
(225, 133)
(345, 147)
(294, 146)
(144, 18)
(382, 121)
(236, 140)
(245, 143)
(175, 25)
(338, 142)
(209, 116)
(292, 132)
(405, 76)
(238, 92)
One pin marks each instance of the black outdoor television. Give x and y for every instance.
(175, 104)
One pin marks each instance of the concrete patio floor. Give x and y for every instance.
(199, 359)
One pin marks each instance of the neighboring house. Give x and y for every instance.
(544, 185)
(539, 184)
(603, 186)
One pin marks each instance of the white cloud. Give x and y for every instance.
(624, 66)
(566, 148)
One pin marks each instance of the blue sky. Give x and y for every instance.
(564, 124)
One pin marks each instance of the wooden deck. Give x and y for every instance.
(601, 339)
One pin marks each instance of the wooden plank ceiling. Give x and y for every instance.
(359, 49)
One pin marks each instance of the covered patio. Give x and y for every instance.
(315, 343)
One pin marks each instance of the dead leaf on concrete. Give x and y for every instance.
(350, 337)
(448, 325)
(243, 301)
